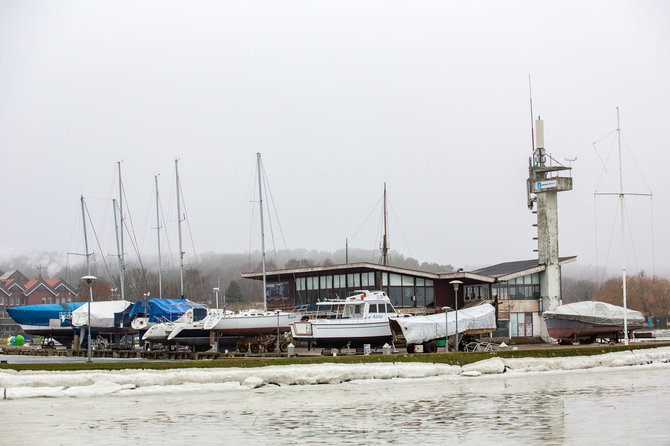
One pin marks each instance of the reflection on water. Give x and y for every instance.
(622, 406)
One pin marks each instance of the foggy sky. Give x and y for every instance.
(339, 97)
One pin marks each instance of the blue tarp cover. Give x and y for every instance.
(40, 314)
(161, 310)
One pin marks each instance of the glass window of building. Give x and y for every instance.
(420, 296)
(396, 296)
(430, 296)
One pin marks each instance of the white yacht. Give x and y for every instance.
(362, 318)
(250, 322)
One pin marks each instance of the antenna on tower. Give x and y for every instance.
(532, 127)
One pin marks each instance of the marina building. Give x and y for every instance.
(514, 288)
(520, 291)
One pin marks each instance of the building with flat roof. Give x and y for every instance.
(512, 287)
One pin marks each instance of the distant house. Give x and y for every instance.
(17, 290)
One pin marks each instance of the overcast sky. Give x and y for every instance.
(339, 97)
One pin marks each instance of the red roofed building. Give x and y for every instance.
(17, 290)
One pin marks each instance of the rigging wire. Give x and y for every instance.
(604, 163)
(627, 216)
(133, 238)
(366, 219)
(274, 207)
(402, 234)
(97, 240)
(635, 161)
(242, 210)
(379, 239)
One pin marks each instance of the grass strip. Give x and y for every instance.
(452, 358)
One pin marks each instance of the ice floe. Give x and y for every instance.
(31, 384)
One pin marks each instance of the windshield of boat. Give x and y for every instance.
(329, 310)
(354, 311)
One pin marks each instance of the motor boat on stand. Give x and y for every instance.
(589, 320)
(360, 319)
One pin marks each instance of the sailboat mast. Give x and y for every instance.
(623, 233)
(120, 248)
(260, 202)
(179, 220)
(158, 233)
(385, 248)
(88, 274)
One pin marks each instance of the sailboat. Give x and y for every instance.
(149, 312)
(253, 323)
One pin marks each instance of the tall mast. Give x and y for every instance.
(623, 234)
(385, 248)
(88, 274)
(260, 202)
(179, 220)
(120, 248)
(158, 233)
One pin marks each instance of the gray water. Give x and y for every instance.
(627, 405)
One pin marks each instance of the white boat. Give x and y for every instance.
(160, 332)
(253, 324)
(250, 322)
(193, 332)
(360, 319)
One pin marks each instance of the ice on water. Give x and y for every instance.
(30, 384)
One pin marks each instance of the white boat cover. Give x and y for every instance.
(599, 313)
(102, 313)
(419, 329)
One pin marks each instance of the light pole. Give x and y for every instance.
(455, 283)
(89, 281)
(446, 329)
(277, 348)
(216, 291)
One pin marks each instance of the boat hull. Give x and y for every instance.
(571, 329)
(191, 336)
(252, 325)
(338, 335)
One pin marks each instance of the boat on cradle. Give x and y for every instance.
(586, 321)
(102, 315)
(145, 313)
(427, 330)
(192, 332)
(360, 319)
(48, 320)
(250, 322)
(160, 332)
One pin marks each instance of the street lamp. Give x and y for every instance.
(455, 283)
(89, 281)
(446, 329)
(216, 291)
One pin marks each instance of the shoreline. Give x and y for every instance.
(56, 363)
